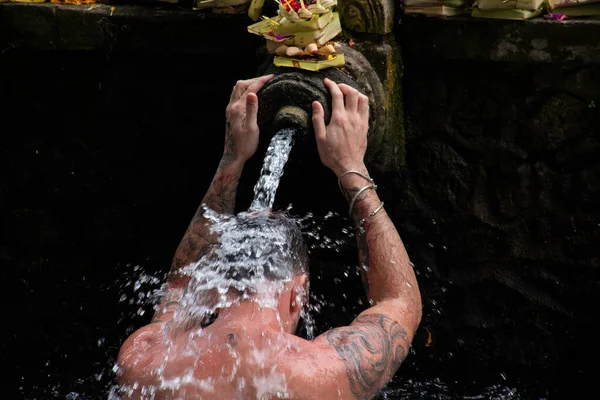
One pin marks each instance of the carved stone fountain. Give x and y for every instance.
(373, 66)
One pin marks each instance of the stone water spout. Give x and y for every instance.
(286, 100)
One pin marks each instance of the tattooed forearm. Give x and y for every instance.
(191, 248)
(198, 240)
(219, 198)
(372, 349)
(230, 147)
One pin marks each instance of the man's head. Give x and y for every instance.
(261, 245)
(259, 256)
(270, 248)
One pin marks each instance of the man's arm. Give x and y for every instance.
(372, 348)
(241, 141)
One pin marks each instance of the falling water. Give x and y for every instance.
(270, 174)
(252, 249)
(253, 254)
(254, 257)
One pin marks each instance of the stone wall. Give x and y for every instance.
(500, 201)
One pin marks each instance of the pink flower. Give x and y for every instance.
(555, 17)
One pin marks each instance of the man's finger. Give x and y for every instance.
(251, 109)
(363, 106)
(258, 83)
(318, 119)
(239, 89)
(337, 97)
(351, 97)
(242, 86)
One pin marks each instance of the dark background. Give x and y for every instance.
(105, 157)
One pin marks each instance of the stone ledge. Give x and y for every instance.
(466, 38)
(126, 28)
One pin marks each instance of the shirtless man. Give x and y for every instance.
(249, 351)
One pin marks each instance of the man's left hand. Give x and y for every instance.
(241, 135)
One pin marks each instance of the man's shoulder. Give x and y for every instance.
(140, 350)
(314, 370)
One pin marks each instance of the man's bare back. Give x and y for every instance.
(249, 350)
(238, 360)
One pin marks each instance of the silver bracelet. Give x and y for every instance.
(356, 196)
(352, 171)
(376, 210)
(362, 221)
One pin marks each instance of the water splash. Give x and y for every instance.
(436, 389)
(250, 260)
(272, 170)
(254, 257)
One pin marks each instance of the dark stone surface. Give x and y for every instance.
(135, 28)
(301, 88)
(479, 39)
(502, 185)
(290, 87)
(374, 16)
(388, 152)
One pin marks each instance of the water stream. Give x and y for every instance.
(272, 170)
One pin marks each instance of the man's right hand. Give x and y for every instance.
(241, 136)
(343, 143)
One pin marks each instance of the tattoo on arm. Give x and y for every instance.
(198, 239)
(193, 246)
(230, 147)
(372, 349)
(221, 194)
(220, 198)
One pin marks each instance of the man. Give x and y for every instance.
(238, 341)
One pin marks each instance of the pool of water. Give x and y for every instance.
(79, 320)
